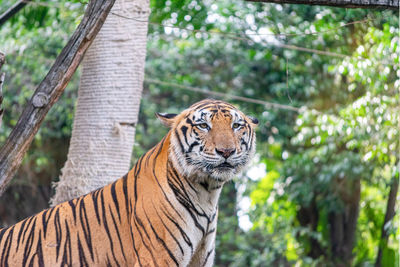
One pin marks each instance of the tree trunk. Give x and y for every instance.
(390, 212)
(108, 103)
(308, 216)
(389, 4)
(343, 223)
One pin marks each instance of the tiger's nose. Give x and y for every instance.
(225, 152)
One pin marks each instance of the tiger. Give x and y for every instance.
(163, 212)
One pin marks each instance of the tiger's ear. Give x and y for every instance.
(253, 120)
(166, 118)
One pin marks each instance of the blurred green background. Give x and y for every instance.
(317, 192)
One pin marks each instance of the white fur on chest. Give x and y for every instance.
(199, 222)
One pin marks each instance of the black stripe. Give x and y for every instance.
(155, 177)
(208, 255)
(171, 168)
(160, 240)
(82, 258)
(86, 226)
(57, 227)
(195, 143)
(145, 245)
(168, 230)
(26, 228)
(2, 232)
(125, 189)
(39, 251)
(29, 243)
(103, 208)
(183, 233)
(134, 247)
(187, 204)
(189, 121)
(95, 196)
(114, 197)
(72, 205)
(184, 198)
(118, 234)
(21, 229)
(179, 140)
(211, 231)
(184, 132)
(45, 220)
(7, 246)
(67, 253)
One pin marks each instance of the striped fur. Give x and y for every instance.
(162, 213)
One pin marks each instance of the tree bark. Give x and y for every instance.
(309, 217)
(383, 4)
(108, 103)
(49, 90)
(2, 76)
(390, 212)
(343, 223)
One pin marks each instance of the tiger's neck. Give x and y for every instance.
(200, 189)
(165, 174)
(168, 180)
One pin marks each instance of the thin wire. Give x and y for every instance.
(217, 32)
(287, 80)
(244, 38)
(398, 119)
(319, 32)
(248, 34)
(234, 97)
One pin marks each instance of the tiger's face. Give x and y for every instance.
(210, 141)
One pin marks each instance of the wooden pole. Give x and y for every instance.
(49, 90)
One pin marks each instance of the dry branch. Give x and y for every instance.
(2, 59)
(12, 10)
(383, 4)
(49, 90)
(2, 76)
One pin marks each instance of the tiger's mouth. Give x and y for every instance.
(224, 165)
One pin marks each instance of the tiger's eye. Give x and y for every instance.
(204, 125)
(235, 125)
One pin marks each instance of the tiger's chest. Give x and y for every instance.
(175, 230)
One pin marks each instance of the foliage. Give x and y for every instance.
(31, 41)
(344, 136)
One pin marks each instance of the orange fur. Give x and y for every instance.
(156, 215)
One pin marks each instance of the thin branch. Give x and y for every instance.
(13, 10)
(247, 37)
(382, 4)
(248, 34)
(2, 76)
(2, 59)
(50, 89)
(390, 212)
(223, 95)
